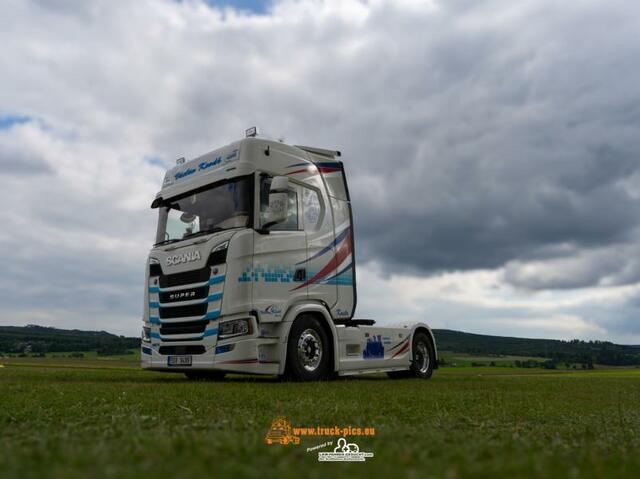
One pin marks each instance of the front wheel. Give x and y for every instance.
(308, 350)
(423, 359)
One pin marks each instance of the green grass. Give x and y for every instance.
(80, 418)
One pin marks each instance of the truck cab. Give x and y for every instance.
(253, 271)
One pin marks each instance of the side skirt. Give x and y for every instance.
(354, 372)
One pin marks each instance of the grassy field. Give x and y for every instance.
(95, 418)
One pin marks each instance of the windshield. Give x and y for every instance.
(210, 209)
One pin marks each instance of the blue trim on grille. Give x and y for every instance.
(146, 350)
(212, 281)
(210, 332)
(211, 299)
(156, 335)
(210, 315)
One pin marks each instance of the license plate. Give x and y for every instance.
(179, 361)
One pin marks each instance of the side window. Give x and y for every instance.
(311, 209)
(291, 223)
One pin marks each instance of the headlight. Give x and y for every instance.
(237, 327)
(146, 335)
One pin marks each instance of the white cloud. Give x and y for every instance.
(490, 145)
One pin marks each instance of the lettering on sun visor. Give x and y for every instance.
(205, 165)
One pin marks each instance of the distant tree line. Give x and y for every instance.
(570, 352)
(38, 340)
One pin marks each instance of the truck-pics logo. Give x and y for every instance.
(187, 257)
(281, 432)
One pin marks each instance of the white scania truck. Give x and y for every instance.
(253, 271)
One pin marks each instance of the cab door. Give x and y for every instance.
(321, 262)
(279, 273)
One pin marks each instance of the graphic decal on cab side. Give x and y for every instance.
(375, 348)
(338, 269)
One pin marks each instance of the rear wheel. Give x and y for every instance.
(422, 361)
(309, 350)
(205, 375)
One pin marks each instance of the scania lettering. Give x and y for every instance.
(253, 271)
(183, 258)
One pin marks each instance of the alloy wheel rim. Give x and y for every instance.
(310, 349)
(422, 357)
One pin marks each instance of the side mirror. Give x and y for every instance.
(278, 201)
(187, 217)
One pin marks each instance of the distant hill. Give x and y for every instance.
(599, 352)
(41, 339)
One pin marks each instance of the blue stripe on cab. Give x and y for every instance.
(154, 304)
(215, 297)
(217, 279)
(156, 335)
(154, 320)
(154, 289)
(146, 350)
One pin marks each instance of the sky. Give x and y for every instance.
(491, 149)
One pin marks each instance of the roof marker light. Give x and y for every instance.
(251, 132)
(180, 161)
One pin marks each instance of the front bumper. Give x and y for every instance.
(245, 354)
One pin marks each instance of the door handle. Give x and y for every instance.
(300, 274)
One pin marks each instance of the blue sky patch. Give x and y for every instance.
(255, 6)
(155, 161)
(10, 120)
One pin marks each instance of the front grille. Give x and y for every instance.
(182, 350)
(189, 327)
(184, 295)
(184, 311)
(188, 277)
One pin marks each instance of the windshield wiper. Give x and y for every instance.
(203, 232)
(167, 241)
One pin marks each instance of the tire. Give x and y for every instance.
(423, 359)
(309, 350)
(205, 375)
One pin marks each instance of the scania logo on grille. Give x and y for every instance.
(182, 295)
(183, 258)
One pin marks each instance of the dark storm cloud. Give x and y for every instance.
(513, 145)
